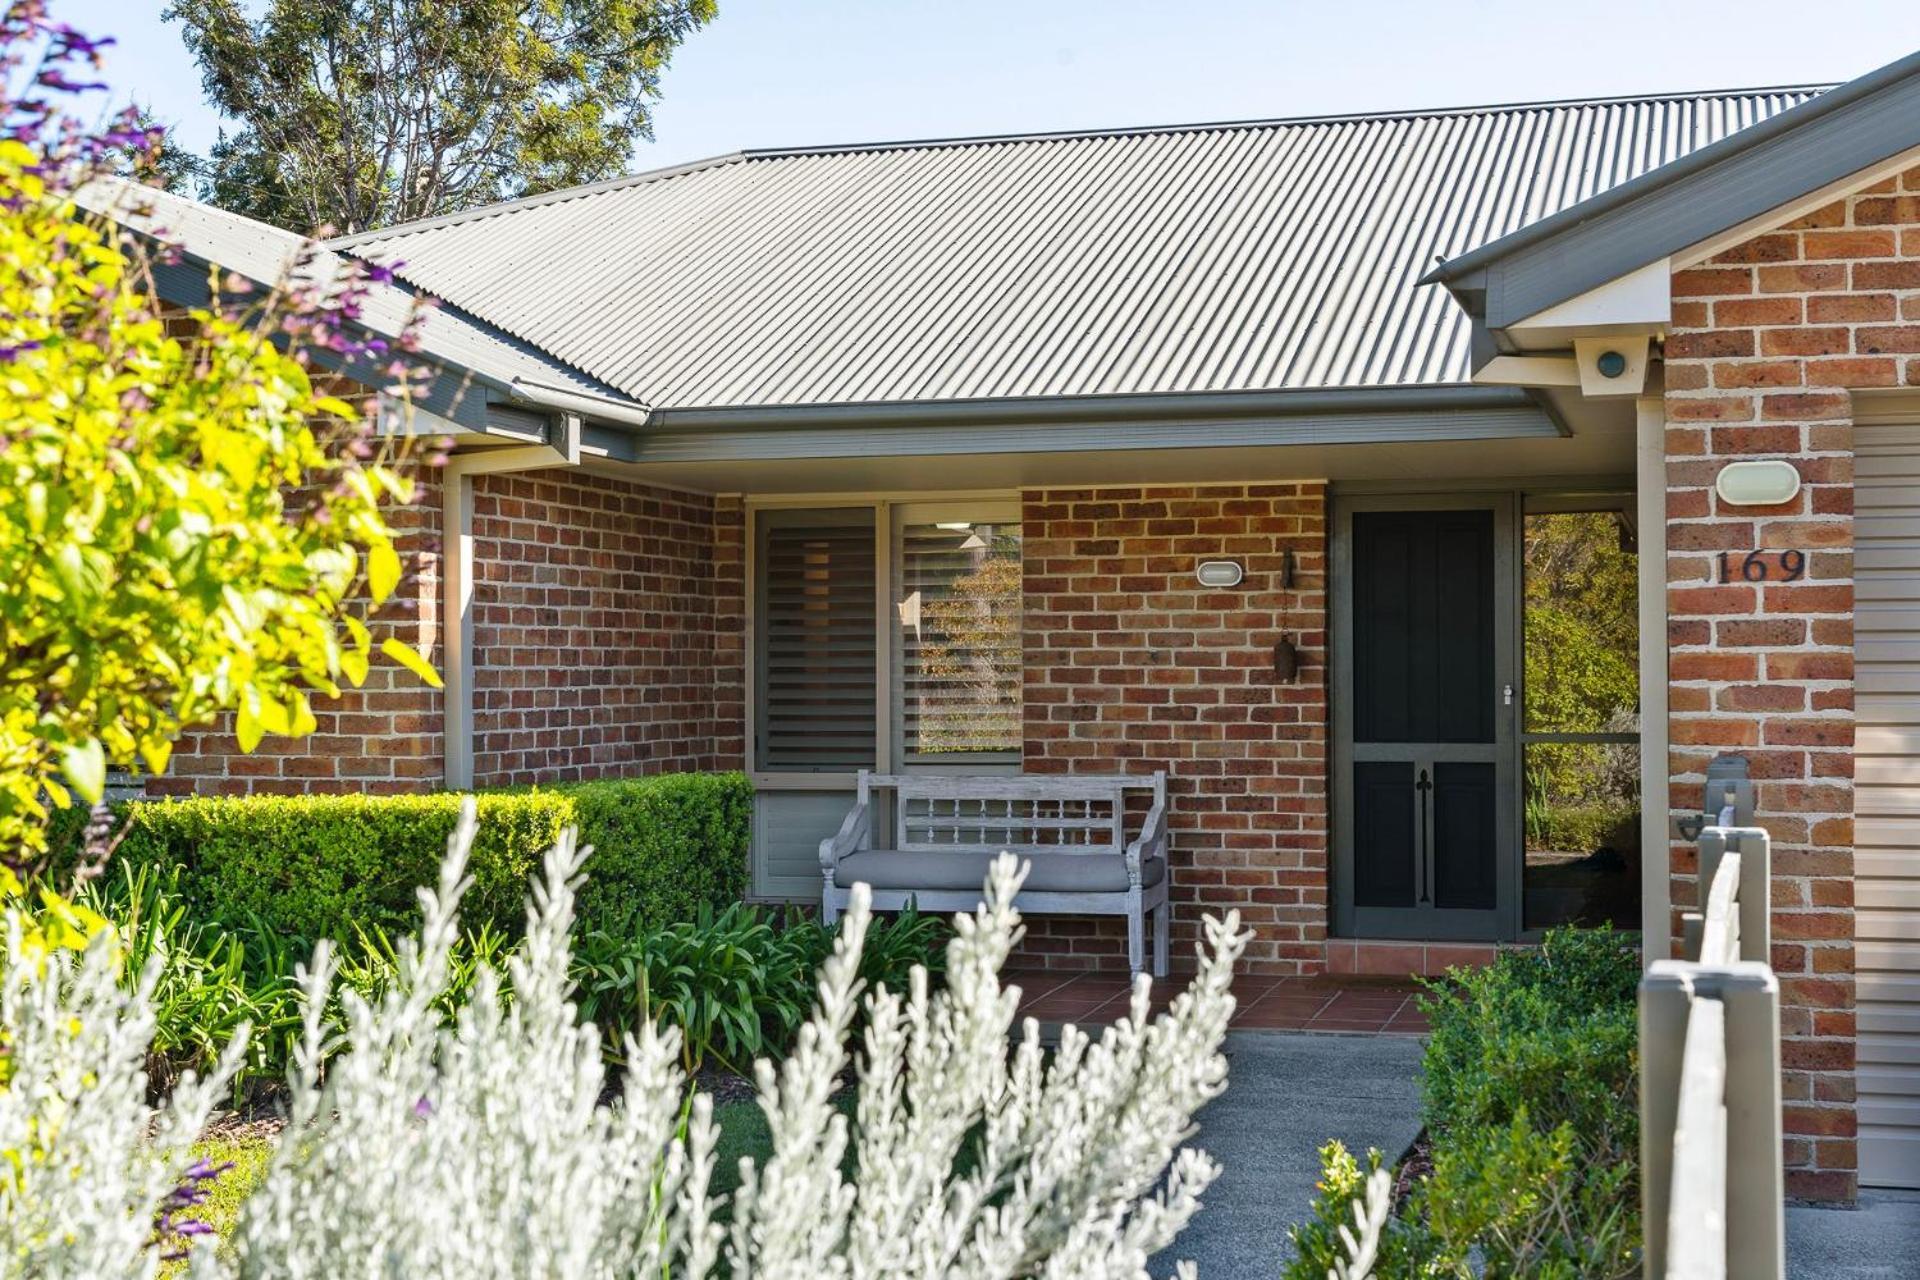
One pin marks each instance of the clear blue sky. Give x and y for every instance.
(771, 73)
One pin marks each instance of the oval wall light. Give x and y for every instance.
(1219, 573)
(1757, 484)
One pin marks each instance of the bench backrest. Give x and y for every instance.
(1018, 813)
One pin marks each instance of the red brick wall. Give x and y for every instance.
(603, 625)
(1767, 342)
(1131, 666)
(384, 736)
(609, 639)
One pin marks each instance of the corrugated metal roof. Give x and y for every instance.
(269, 255)
(1248, 256)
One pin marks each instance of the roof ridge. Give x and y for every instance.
(353, 242)
(349, 243)
(1206, 126)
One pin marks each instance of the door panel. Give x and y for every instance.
(1424, 653)
(1423, 661)
(1465, 835)
(1383, 835)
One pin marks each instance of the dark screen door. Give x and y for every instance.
(1424, 776)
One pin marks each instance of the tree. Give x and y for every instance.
(357, 114)
(189, 525)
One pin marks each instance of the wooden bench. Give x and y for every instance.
(1070, 830)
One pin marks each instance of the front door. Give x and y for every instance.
(1425, 783)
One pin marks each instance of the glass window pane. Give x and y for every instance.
(816, 650)
(1582, 625)
(1582, 826)
(957, 596)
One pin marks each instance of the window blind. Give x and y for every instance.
(817, 704)
(957, 588)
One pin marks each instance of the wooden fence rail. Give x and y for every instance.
(1712, 1185)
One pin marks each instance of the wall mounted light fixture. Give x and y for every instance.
(1220, 573)
(1764, 483)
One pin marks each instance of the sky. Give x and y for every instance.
(768, 73)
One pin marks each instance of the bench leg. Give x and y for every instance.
(1162, 937)
(1136, 933)
(829, 909)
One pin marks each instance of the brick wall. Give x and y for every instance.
(608, 639)
(607, 636)
(384, 736)
(1767, 342)
(1131, 665)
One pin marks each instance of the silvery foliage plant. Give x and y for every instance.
(88, 1174)
(480, 1148)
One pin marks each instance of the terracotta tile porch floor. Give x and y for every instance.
(1353, 1005)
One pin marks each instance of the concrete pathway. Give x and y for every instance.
(1287, 1093)
(1878, 1241)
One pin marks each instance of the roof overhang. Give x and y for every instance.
(457, 392)
(1349, 416)
(1514, 282)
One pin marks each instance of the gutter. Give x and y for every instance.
(567, 400)
(1118, 408)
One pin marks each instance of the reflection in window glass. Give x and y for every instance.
(1583, 625)
(1582, 822)
(1582, 702)
(958, 600)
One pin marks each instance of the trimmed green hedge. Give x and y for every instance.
(663, 847)
(320, 866)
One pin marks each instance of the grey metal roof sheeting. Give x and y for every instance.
(269, 255)
(1249, 256)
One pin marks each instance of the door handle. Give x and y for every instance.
(1423, 840)
(1506, 696)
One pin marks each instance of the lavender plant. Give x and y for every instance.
(91, 1182)
(480, 1148)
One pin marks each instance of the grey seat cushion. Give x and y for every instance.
(1051, 872)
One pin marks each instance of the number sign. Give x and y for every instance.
(1763, 566)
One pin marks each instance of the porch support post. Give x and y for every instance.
(456, 573)
(1650, 493)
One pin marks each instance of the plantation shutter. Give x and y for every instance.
(957, 661)
(817, 704)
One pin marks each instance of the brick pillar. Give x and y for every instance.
(1768, 341)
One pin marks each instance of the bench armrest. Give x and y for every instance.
(1150, 844)
(853, 835)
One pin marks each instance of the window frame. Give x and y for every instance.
(1624, 504)
(903, 514)
(997, 505)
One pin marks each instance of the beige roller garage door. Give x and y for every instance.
(1887, 802)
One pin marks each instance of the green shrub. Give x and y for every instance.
(1550, 1030)
(739, 982)
(1502, 1203)
(307, 867)
(1317, 1244)
(1531, 1112)
(663, 847)
(326, 866)
(1526, 1203)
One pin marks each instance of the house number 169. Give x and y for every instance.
(1763, 566)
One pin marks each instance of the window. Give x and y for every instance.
(814, 625)
(1581, 730)
(957, 642)
(886, 636)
